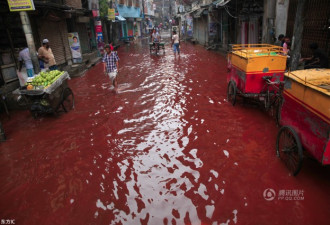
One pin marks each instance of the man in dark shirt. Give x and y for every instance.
(318, 60)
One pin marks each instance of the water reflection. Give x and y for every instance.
(156, 166)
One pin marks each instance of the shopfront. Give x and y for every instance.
(130, 27)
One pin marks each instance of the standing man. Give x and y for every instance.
(110, 65)
(45, 53)
(176, 43)
(24, 56)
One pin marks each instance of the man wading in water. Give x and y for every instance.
(110, 65)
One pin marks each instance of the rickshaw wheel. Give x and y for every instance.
(67, 99)
(289, 149)
(231, 92)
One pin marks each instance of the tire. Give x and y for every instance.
(289, 149)
(231, 92)
(67, 99)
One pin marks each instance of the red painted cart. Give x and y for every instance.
(305, 118)
(255, 71)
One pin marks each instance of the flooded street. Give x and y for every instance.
(166, 149)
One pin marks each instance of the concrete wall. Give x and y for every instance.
(268, 21)
(282, 7)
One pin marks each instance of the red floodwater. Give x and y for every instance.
(166, 149)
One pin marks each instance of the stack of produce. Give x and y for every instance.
(46, 78)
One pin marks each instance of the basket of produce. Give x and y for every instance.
(45, 82)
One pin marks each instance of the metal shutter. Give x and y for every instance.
(83, 37)
(316, 23)
(57, 34)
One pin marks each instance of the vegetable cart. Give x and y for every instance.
(50, 99)
(305, 118)
(255, 71)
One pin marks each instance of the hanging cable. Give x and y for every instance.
(226, 8)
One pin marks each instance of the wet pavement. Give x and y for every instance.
(166, 149)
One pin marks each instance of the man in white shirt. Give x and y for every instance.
(155, 38)
(24, 56)
(176, 43)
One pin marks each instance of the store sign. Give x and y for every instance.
(98, 26)
(190, 26)
(20, 5)
(75, 47)
(212, 28)
(96, 13)
(111, 14)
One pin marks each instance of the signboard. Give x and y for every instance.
(96, 13)
(98, 26)
(20, 5)
(111, 14)
(100, 43)
(75, 47)
(212, 28)
(190, 26)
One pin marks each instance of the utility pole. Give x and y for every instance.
(111, 33)
(30, 41)
(143, 19)
(297, 34)
(163, 10)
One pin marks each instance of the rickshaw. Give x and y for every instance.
(305, 118)
(255, 71)
(155, 49)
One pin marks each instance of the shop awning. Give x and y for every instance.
(198, 13)
(220, 3)
(129, 12)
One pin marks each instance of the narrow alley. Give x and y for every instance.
(166, 149)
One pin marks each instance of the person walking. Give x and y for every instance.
(176, 43)
(45, 53)
(111, 65)
(24, 56)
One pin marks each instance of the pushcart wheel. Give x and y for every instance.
(289, 149)
(67, 99)
(231, 92)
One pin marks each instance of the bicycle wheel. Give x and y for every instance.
(231, 92)
(289, 149)
(67, 99)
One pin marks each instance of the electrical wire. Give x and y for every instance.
(227, 10)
